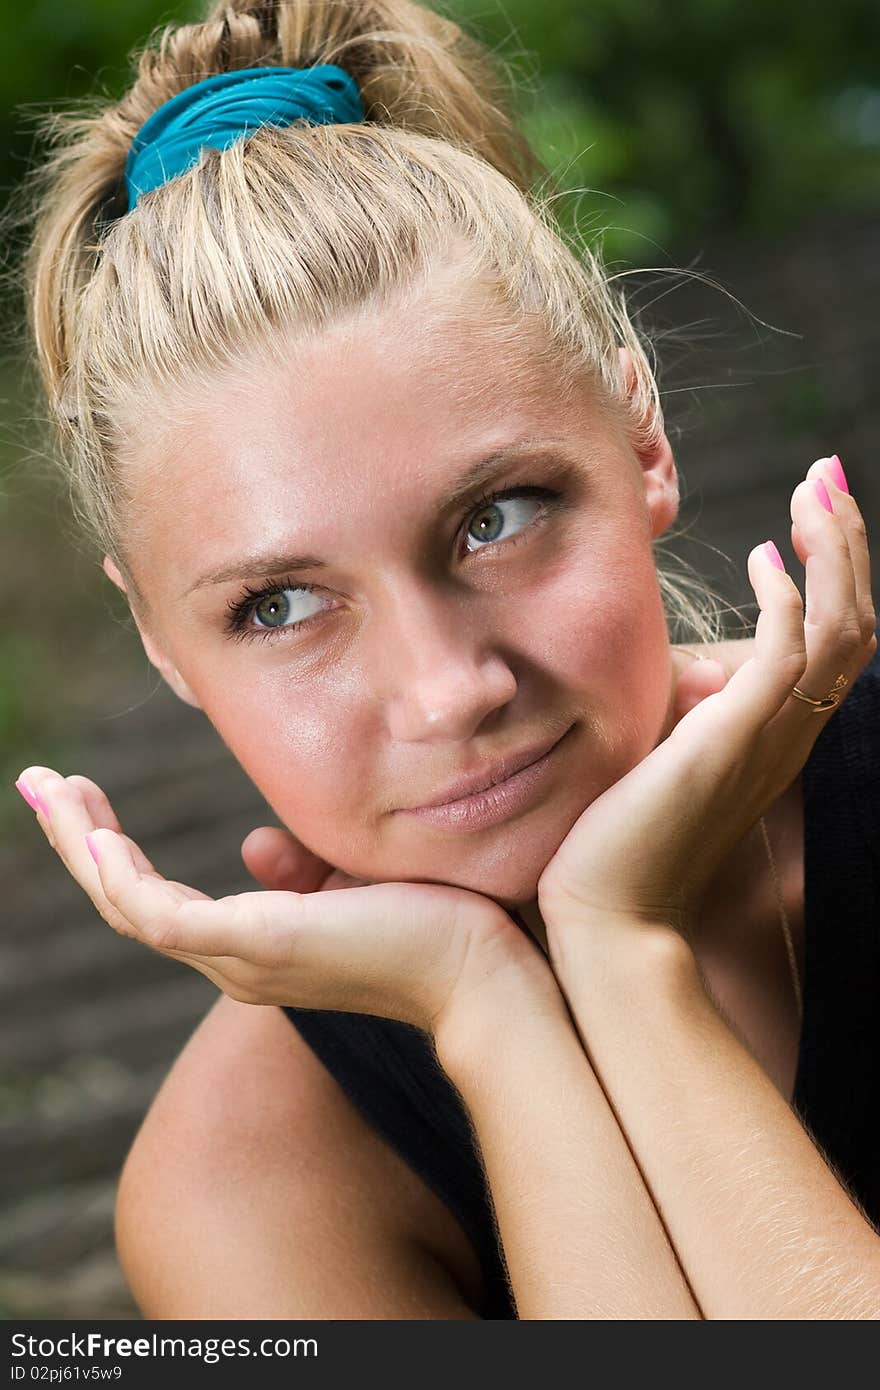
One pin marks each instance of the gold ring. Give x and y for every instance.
(830, 702)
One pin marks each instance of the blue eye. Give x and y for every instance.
(491, 531)
(276, 608)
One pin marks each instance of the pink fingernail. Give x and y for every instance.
(835, 468)
(773, 555)
(822, 494)
(92, 851)
(28, 794)
(38, 801)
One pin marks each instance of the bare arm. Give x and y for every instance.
(581, 1235)
(760, 1221)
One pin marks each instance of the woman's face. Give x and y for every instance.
(437, 636)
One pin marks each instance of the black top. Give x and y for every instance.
(390, 1072)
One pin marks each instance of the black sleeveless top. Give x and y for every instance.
(389, 1070)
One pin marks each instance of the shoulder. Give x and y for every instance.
(249, 1105)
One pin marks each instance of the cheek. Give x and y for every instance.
(608, 623)
(299, 752)
(610, 649)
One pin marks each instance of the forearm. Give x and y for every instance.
(762, 1225)
(581, 1236)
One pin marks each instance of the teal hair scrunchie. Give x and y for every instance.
(222, 109)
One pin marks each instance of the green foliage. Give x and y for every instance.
(693, 120)
(53, 49)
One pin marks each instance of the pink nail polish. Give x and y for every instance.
(835, 468)
(28, 794)
(822, 494)
(92, 851)
(773, 555)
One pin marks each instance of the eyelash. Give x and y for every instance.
(239, 610)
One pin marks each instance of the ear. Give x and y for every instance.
(155, 653)
(659, 473)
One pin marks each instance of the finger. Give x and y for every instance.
(278, 860)
(846, 509)
(96, 802)
(701, 677)
(260, 927)
(164, 915)
(99, 807)
(66, 821)
(71, 807)
(833, 625)
(762, 684)
(30, 780)
(830, 589)
(796, 644)
(142, 904)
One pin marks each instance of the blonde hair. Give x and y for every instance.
(297, 226)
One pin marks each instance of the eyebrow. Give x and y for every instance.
(275, 562)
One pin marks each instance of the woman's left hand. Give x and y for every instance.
(642, 852)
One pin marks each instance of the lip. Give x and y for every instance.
(498, 800)
(474, 782)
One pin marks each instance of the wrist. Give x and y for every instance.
(594, 945)
(512, 993)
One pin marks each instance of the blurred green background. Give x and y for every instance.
(737, 141)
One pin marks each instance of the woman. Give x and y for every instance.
(304, 378)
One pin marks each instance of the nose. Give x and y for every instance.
(440, 678)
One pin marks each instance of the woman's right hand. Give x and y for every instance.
(407, 951)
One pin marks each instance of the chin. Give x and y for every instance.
(505, 866)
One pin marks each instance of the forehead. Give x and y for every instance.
(373, 378)
(374, 410)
